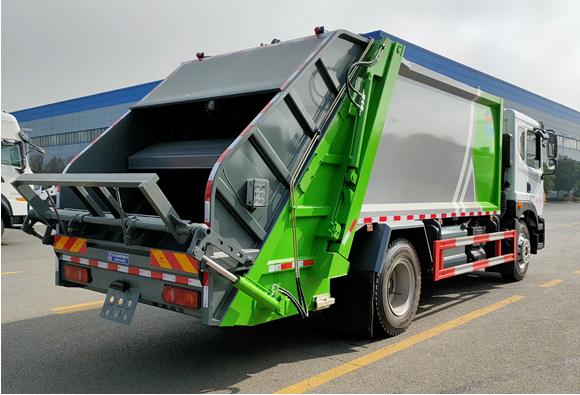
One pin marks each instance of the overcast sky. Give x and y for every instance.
(63, 49)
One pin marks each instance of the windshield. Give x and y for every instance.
(12, 154)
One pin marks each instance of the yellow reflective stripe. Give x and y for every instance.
(77, 245)
(161, 260)
(185, 263)
(61, 242)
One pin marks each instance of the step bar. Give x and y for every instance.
(440, 272)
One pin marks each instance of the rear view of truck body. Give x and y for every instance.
(212, 130)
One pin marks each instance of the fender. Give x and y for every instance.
(354, 310)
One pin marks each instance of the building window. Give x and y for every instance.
(82, 136)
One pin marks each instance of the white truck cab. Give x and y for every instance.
(528, 146)
(14, 163)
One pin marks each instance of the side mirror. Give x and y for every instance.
(551, 165)
(553, 147)
(24, 137)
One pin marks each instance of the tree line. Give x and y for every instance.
(566, 179)
(54, 165)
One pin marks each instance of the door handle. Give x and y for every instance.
(529, 188)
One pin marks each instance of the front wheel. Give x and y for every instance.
(398, 287)
(519, 267)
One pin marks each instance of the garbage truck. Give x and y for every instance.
(321, 173)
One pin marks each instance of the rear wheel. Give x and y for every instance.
(398, 287)
(519, 267)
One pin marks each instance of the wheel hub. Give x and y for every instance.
(401, 287)
(524, 249)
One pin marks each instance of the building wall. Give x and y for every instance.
(64, 129)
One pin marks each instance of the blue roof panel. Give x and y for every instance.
(475, 78)
(105, 99)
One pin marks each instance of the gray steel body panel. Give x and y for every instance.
(195, 154)
(257, 69)
(424, 159)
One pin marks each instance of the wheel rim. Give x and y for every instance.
(524, 249)
(401, 287)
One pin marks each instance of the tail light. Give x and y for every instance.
(75, 273)
(181, 297)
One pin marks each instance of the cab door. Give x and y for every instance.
(529, 185)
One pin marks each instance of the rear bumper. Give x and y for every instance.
(149, 283)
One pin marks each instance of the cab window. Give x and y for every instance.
(522, 142)
(531, 156)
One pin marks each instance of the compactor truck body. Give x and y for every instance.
(320, 173)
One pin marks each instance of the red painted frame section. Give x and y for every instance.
(439, 271)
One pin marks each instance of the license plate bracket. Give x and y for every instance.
(120, 303)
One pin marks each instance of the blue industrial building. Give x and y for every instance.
(65, 128)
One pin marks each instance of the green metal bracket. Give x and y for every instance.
(329, 230)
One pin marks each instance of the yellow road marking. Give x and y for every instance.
(577, 272)
(74, 306)
(393, 348)
(9, 272)
(565, 225)
(81, 309)
(550, 283)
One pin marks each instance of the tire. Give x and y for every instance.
(398, 287)
(519, 267)
(2, 235)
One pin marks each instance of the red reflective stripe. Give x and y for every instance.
(444, 215)
(409, 217)
(208, 190)
(433, 215)
(69, 243)
(113, 266)
(175, 265)
(480, 264)
(309, 262)
(454, 214)
(205, 279)
(353, 225)
(422, 216)
(75, 259)
(368, 220)
(480, 238)
(383, 219)
(157, 275)
(134, 270)
(397, 218)
(181, 280)
(93, 263)
(287, 265)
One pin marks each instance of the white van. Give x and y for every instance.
(14, 163)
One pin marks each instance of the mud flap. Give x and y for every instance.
(120, 303)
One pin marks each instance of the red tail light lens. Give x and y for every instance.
(181, 296)
(75, 273)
